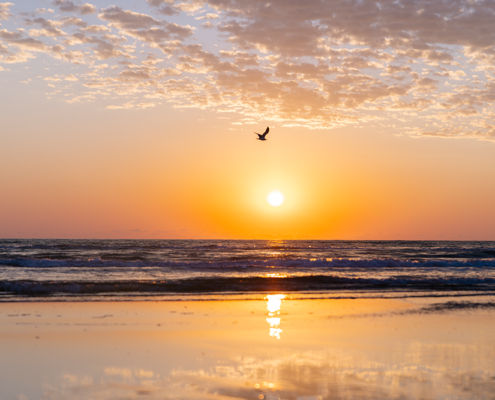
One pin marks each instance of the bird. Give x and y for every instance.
(262, 137)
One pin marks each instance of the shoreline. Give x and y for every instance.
(324, 295)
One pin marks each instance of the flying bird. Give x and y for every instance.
(262, 137)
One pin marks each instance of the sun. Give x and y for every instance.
(275, 199)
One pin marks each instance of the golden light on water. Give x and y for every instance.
(275, 199)
(274, 303)
(275, 275)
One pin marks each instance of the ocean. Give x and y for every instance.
(123, 270)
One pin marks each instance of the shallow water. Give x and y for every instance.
(246, 350)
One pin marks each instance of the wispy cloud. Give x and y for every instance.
(4, 10)
(70, 7)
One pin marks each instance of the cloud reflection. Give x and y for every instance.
(455, 372)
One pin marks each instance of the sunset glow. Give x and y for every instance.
(135, 119)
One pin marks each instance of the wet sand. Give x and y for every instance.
(274, 349)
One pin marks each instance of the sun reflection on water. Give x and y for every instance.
(274, 303)
(275, 275)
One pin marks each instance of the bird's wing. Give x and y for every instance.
(267, 130)
(257, 133)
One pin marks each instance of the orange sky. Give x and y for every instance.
(165, 149)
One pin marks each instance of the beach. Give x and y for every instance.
(275, 348)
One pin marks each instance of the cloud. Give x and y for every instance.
(126, 19)
(87, 9)
(426, 84)
(49, 27)
(313, 63)
(96, 29)
(4, 10)
(298, 27)
(53, 32)
(70, 7)
(44, 11)
(104, 47)
(165, 7)
(68, 21)
(129, 106)
(143, 72)
(18, 40)
(208, 16)
(20, 48)
(144, 27)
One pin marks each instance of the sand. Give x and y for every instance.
(282, 349)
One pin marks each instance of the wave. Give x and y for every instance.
(286, 262)
(315, 283)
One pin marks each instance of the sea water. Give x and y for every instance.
(46, 269)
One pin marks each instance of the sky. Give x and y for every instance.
(135, 119)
